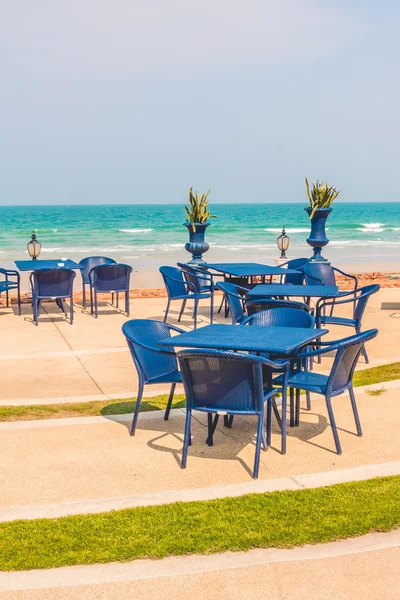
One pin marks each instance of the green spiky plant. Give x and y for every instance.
(197, 211)
(321, 196)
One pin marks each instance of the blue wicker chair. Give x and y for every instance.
(235, 299)
(54, 284)
(8, 283)
(114, 279)
(231, 384)
(297, 264)
(154, 364)
(285, 317)
(359, 298)
(340, 379)
(182, 285)
(87, 265)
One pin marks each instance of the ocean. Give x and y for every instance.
(146, 235)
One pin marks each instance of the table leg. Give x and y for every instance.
(297, 418)
(292, 421)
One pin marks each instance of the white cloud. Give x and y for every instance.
(168, 36)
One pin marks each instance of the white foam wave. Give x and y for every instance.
(373, 225)
(371, 229)
(147, 230)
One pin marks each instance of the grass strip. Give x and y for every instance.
(86, 409)
(379, 374)
(118, 407)
(278, 519)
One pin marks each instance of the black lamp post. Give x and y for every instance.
(34, 247)
(283, 242)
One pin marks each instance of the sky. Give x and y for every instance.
(121, 101)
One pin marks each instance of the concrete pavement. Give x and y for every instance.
(90, 358)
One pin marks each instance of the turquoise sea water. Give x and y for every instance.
(139, 231)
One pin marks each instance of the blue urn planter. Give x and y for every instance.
(317, 239)
(196, 244)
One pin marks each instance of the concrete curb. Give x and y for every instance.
(298, 482)
(186, 565)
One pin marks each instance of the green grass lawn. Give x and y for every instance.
(118, 407)
(279, 519)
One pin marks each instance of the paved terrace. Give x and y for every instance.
(90, 360)
(68, 466)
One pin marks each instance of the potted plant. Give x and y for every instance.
(197, 216)
(321, 197)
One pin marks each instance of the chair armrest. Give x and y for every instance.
(200, 276)
(348, 276)
(239, 287)
(335, 300)
(156, 349)
(188, 283)
(10, 273)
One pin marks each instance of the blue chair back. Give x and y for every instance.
(234, 299)
(361, 299)
(88, 263)
(174, 282)
(142, 334)
(52, 283)
(225, 381)
(111, 278)
(319, 274)
(193, 275)
(254, 306)
(347, 353)
(295, 263)
(281, 317)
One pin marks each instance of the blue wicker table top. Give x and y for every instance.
(277, 340)
(36, 265)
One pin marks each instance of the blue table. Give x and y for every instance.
(36, 265)
(248, 269)
(290, 289)
(276, 340)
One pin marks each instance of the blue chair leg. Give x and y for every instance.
(196, 304)
(127, 302)
(19, 301)
(71, 310)
(91, 298)
(211, 425)
(333, 424)
(181, 311)
(117, 299)
(355, 411)
(171, 397)
(137, 408)
(7, 299)
(166, 310)
(284, 421)
(34, 310)
(269, 422)
(84, 294)
(211, 309)
(297, 409)
(186, 439)
(292, 421)
(260, 428)
(96, 308)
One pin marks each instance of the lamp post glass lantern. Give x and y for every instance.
(34, 247)
(283, 242)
